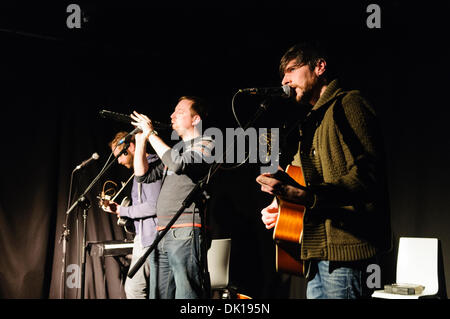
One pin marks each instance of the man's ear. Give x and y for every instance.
(196, 119)
(321, 67)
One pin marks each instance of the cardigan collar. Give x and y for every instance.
(331, 92)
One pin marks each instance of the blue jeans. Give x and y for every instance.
(137, 287)
(175, 265)
(337, 280)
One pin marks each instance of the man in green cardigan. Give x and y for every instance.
(347, 220)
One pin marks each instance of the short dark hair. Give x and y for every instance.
(304, 53)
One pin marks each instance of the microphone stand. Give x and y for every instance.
(196, 191)
(85, 204)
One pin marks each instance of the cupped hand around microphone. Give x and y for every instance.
(143, 122)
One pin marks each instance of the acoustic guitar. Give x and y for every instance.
(289, 226)
(105, 198)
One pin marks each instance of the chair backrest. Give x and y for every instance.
(417, 263)
(219, 262)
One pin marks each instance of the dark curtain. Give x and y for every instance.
(54, 81)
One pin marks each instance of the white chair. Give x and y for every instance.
(219, 263)
(417, 264)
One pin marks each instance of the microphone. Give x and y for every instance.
(127, 119)
(94, 156)
(283, 91)
(128, 137)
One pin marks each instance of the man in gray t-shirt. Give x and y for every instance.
(176, 263)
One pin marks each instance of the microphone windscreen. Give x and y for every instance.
(288, 91)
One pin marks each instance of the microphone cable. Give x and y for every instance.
(240, 126)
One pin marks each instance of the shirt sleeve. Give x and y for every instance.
(148, 207)
(143, 210)
(155, 172)
(195, 160)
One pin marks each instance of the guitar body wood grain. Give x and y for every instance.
(289, 229)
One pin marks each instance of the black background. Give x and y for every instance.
(129, 56)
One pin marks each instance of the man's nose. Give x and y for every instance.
(285, 80)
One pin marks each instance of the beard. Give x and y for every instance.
(310, 93)
(305, 98)
(306, 95)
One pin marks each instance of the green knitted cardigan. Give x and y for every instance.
(342, 157)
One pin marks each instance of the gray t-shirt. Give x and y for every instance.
(181, 168)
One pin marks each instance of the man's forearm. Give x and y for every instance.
(140, 159)
(158, 145)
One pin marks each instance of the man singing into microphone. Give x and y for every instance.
(347, 221)
(176, 263)
(142, 212)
